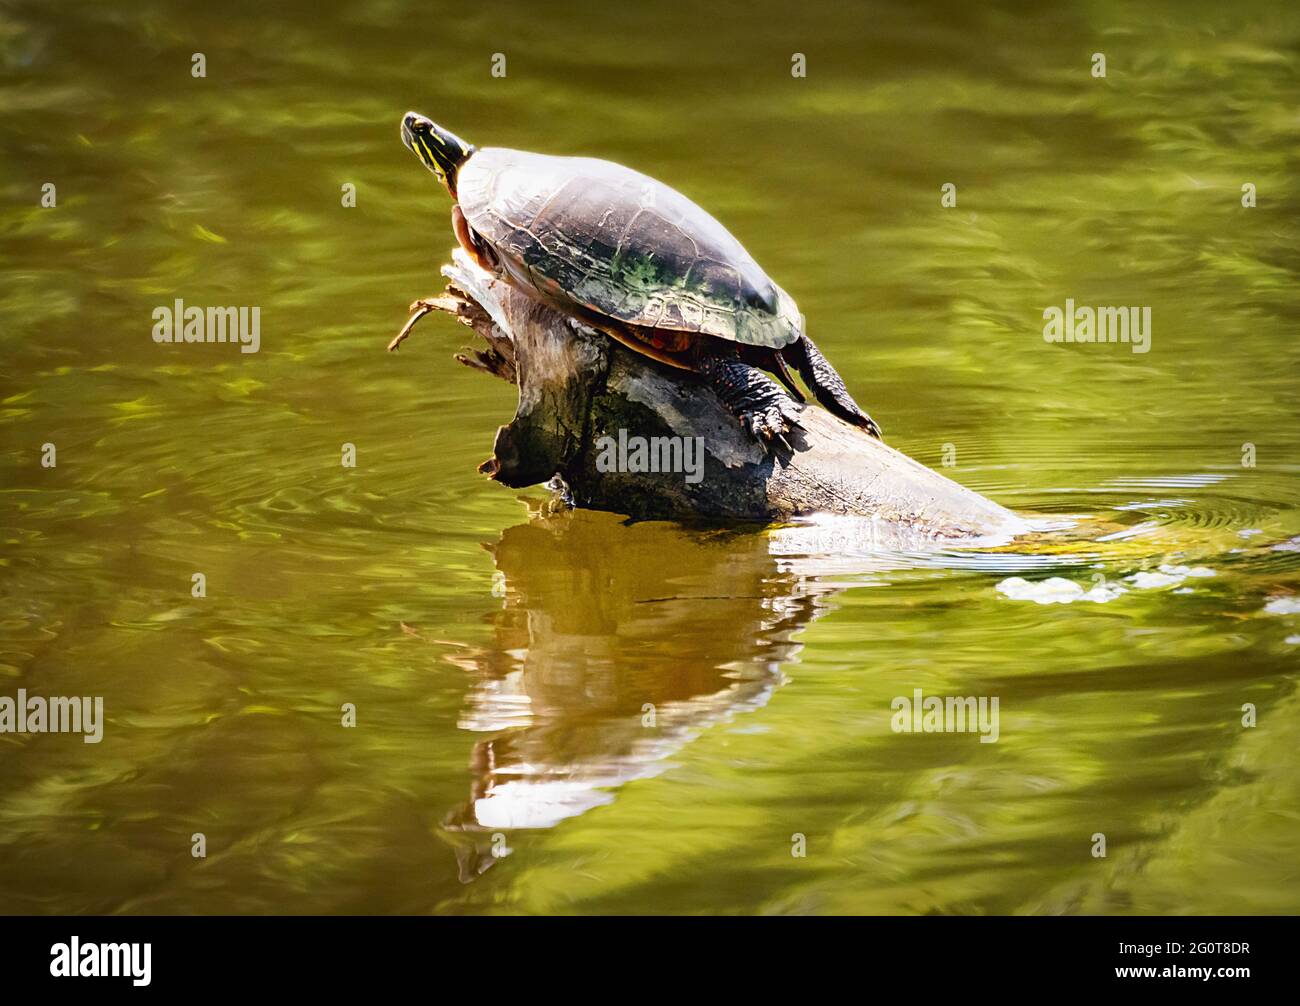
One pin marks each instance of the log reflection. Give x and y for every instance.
(615, 645)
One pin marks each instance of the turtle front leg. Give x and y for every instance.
(826, 384)
(760, 404)
(471, 242)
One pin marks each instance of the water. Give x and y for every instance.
(500, 657)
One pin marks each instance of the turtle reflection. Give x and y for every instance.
(615, 645)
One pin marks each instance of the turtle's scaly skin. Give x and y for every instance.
(827, 385)
(622, 245)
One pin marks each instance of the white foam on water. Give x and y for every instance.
(1058, 590)
(1055, 590)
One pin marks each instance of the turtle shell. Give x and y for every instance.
(616, 242)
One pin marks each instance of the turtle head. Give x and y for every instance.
(439, 150)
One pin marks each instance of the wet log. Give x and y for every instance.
(581, 395)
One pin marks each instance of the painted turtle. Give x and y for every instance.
(634, 259)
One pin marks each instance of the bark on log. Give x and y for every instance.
(577, 386)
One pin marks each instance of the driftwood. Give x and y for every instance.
(577, 386)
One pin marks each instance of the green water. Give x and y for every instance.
(500, 659)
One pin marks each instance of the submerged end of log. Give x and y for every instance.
(577, 388)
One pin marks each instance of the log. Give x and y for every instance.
(578, 387)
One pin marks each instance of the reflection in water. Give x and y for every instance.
(608, 661)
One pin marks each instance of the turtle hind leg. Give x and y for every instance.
(826, 385)
(761, 405)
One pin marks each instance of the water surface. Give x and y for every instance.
(501, 656)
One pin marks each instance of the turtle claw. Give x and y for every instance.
(783, 417)
(768, 426)
(774, 420)
(790, 413)
(761, 405)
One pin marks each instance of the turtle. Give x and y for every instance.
(627, 255)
